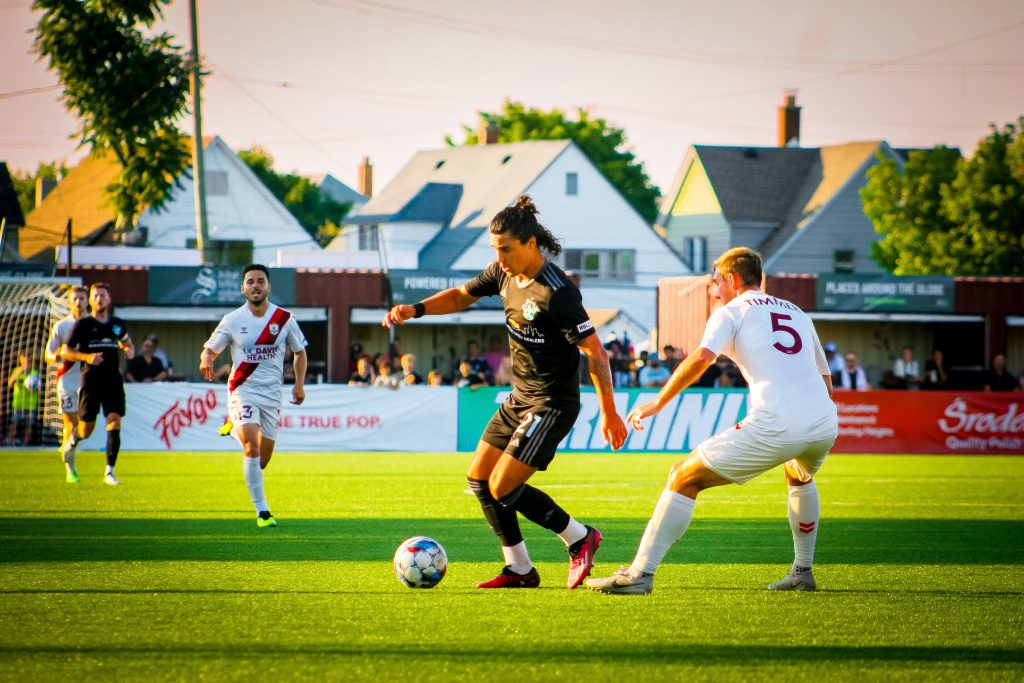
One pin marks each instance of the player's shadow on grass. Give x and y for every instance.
(726, 541)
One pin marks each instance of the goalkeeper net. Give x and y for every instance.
(29, 306)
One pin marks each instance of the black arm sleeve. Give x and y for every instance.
(487, 283)
(566, 308)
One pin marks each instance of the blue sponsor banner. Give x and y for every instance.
(690, 418)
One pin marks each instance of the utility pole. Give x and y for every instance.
(70, 263)
(198, 167)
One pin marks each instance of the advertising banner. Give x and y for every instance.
(884, 293)
(212, 285)
(185, 416)
(930, 422)
(690, 418)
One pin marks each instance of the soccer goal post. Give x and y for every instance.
(29, 306)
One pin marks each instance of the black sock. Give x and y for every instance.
(502, 520)
(537, 507)
(113, 446)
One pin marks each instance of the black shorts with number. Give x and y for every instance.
(107, 394)
(530, 432)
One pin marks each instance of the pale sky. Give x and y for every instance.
(322, 83)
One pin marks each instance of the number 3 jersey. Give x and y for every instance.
(257, 349)
(776, 348)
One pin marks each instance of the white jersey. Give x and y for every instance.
(69, 375)
(257, 349)
(776, 348)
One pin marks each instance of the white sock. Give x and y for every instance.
(110, 469)
(516, 557)
(804, 510)
(668, 523)
(573, 532)
(68, 453)
(254, 480)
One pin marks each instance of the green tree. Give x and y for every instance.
(604, 145)
(317, 213)
(941, 214)
(25, 183)
(127, 90)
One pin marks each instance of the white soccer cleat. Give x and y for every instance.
(624, 583)
(111, 480)
(795, 581)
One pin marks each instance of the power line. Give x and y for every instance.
(29, 91)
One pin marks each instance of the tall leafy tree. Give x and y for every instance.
(317, 213)
(127, 89)
(25, 183)
(941, 214)
(603, 144)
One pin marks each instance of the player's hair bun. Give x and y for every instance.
(524, 203)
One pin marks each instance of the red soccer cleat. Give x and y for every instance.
(582, 561)
(509, 579)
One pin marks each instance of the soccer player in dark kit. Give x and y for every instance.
(95, 341)
(547, 329)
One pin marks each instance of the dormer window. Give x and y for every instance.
(572, 182)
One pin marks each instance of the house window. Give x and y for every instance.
(695, 253)
(572, 182)
(217, 183)
(369, 237)
(606, 265)
(843, 261)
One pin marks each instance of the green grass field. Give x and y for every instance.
(919, 563)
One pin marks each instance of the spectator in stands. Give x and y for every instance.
(709, 379)
(935, 371)
(24, 384)
(638, 364)
(907, 370)
(670, 358)
(835, 362)
(654, 374)
(385, 378)
(363, 376)
(145, 366)
(729, 376)
(503, 376)
(409, 374)
(467, 377)
(479, 365)
(159, 353)
(998, 378)
(496, 354)
(619, 360)
(435, 379)
(852, 377)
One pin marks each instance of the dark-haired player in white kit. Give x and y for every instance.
(792, 421)
(257, 333)
(547, 329)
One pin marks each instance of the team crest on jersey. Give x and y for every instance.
(274, 329)
(530, 309)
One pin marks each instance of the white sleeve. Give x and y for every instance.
(819, 355)
(54, 343)
(720, 330)
(220, 338)
(296, 340)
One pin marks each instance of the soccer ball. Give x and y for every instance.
(32, 382)
(420, 562)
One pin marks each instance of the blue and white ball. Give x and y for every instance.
(32, 382)
(420, 562)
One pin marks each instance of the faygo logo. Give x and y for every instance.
(178, 417)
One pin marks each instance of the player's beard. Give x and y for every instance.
(257, 299)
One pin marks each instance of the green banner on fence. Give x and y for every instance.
(690, 418)
(884, 293)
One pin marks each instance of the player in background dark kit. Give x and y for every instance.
(548, 328)
(95, 341)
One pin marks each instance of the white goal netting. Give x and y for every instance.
(29, 306)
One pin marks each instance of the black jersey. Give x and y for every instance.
(92, 336)
(546, 321)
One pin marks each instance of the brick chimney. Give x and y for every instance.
(487, 133)
(789, 121)
(366, 178)
(43, 187)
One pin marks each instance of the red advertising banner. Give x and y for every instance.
(930, 422)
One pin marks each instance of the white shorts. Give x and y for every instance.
(67, 393)
(266, 414)
(738, 455)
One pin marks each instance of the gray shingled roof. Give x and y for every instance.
(756, 184)
(340, 192)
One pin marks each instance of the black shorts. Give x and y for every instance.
(530, 432)
(107, 394)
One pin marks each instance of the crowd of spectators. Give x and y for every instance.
(395, 368)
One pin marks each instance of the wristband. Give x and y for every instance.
(420, 310)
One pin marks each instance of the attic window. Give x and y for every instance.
(439, 164)
(842, 261)
(506, 159)
(217, 183)
(572, 184)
